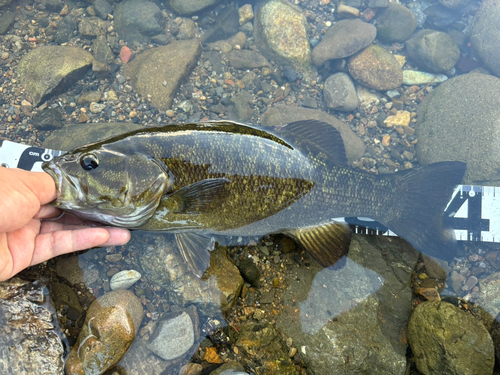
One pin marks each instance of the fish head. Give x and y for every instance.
(108, 186)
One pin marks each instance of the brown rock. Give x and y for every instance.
(376, 68)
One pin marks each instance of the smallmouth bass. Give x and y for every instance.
(224, 178)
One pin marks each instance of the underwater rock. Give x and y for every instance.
(446, 340)
(170, 63)
(415, 77)
(109, 329)
(395, 23)
(462, 114)
(334, 312)
(339, 93)
(376, 68)
(281, 33)
(50, 70)
(433, 50)
(138, 20)
(184, 7)
(124, 279)
(343, 39)
(228, 277)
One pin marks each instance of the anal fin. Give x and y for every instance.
(327, 243)
(195, 249)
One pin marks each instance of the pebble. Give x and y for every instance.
(124, 279)
(412, 77)
(97, 107)
(401, 118)
(170, 113)
(470, 283)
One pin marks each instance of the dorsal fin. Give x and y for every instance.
(314, 137)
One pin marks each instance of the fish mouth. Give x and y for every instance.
(68, 190)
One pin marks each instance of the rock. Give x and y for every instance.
(102, 9)
(339, 93)
(53, 5)
(170, 63)
(268, 351)
(250, 271)
(89, 97)
(240, 109)
(102, 51)
(185, 7)
(137, 21)
(187, 29)
(461, 114)
(62, 294)
(6, 21)
(109, 329)
(92, 26)
(245, 14)
(446, 340)
(401, 118)
(415, 77)
(225, 26)
(376, 68)
(67, 266)
(283, 114)
(51, 70)
(343, 39)
(246, 59)
(440, 17)
(173, 337)
(228, 278)
(30, 338)
(434, 51)
(72, 136)
(485, 34)
(124, 279)
(5, 2)
(48, 119)
(280, 33)
(65, 29)
(395, 23)
(344, 310)
(97, 107)
(346, 11)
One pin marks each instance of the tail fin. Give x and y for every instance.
(420, 221)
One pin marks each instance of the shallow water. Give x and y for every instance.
(265, 303)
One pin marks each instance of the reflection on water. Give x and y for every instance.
(395, 79)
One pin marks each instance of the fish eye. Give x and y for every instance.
(89, 162)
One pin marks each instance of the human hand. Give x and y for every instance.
(25, 239)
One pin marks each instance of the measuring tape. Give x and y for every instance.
(473, 211)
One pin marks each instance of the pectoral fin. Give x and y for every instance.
(201, 196)
(326, 243)
(195, 249)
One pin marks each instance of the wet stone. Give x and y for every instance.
(173, 336)
(267, 297)
(249, 271)
(109, 329)
(446, 340)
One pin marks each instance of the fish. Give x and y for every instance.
(201, 180)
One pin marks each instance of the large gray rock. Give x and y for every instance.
(138, 20)
(458, 121)
(395, 23)
(184, 7)
(485, 34)
(376, 68)
(159, 71)
(281, 33)
(446, 340)
(343, 39)
(433, 51)
(283, 114)
(344, 311)
(51, 70)
(340, 93)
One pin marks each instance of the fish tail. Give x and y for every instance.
(420, 214)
